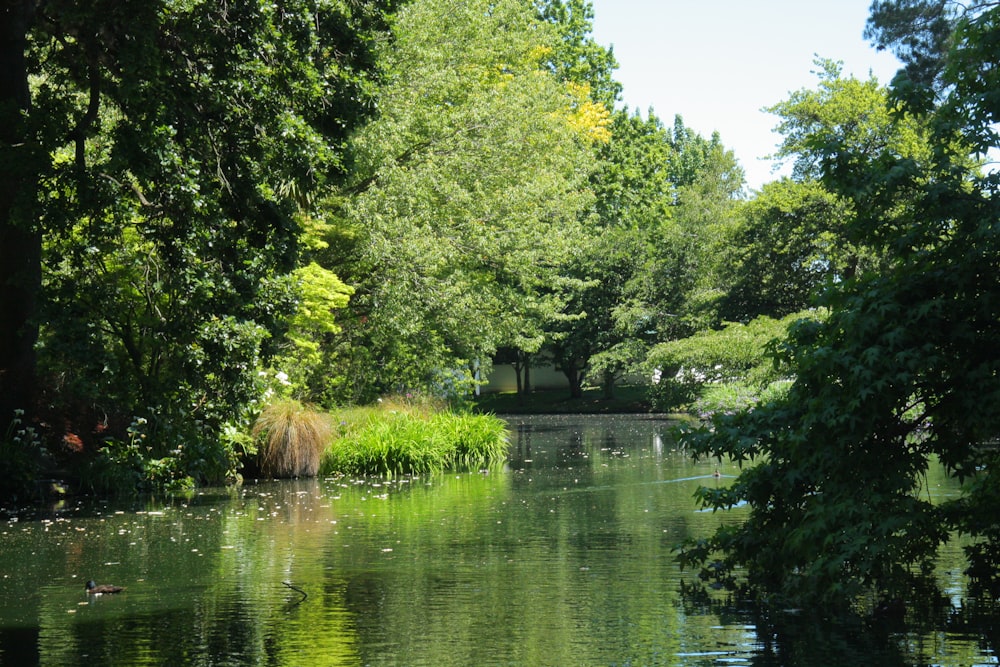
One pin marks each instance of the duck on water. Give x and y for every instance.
(103, 589)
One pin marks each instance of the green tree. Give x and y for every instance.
(661, 196)
(903, 372)
(784, 246)
(576, 56)
(171, 144)
(633, 196)
(467, 196)
(588, 327)
(679, 285)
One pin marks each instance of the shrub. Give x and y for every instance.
(291, 439)
(20, 449)
(736, 353)
(730, 397)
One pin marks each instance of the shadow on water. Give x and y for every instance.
(937, 633)
(562, 558)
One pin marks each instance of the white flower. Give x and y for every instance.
(282, 378)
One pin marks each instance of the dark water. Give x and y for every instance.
(563, 558)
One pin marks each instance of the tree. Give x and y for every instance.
(469, 187)
(678, 286)
(172, 145)
(787, 243)
(575, 55)
(660, 197)
(633, 196)
(902, 372)
(20, 243)
(588, 328)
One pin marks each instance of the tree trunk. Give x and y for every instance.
(609, 385)
(20, 240)
(575, 379)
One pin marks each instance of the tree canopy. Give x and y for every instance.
(903, 371)
(168, 146)
(468, 192)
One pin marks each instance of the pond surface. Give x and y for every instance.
(562, 558)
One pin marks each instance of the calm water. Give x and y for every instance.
(563, 558)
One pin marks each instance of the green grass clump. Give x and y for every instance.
(394, 439)
(291, 438)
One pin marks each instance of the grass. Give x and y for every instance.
(291, 439)
(406, 436)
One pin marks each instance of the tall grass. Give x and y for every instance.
(291, 439)
(401, 439)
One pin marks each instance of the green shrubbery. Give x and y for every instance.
(738, 355)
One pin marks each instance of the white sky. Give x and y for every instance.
(717, 63)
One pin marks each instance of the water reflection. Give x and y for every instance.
(562, 558)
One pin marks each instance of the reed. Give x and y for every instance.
(291, 439)
(388, 441)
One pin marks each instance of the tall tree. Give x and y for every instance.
(20, 241)
(679, 285)
(633, 196)
(662, 195)
(786, 244)
(904, 370)
(172, 143)
(575, 55)
(467, 197)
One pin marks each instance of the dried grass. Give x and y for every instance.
(291, 438)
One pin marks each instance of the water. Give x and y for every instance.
(563, 558)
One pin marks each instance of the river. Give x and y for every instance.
(561, 558)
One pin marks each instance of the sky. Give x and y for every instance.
(718, 63)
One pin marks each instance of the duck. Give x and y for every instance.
(103, 589)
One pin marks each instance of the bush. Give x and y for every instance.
(291, 439)
(739, 353)
(730, 397)
(20, 450)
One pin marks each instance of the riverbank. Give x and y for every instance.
(626, 400)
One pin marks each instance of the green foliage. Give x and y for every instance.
(290, 439)
(735, 353)
(660, 197)
(180, 139)
(728, 397)
(786, 244)
(466, 197)
(588, 331)
(308, 355)
(391, 442)
(20, 450)
(845, 124)
(576, 56)
(128, 466)
(678, 284)
(903, 372)
(704, 165)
